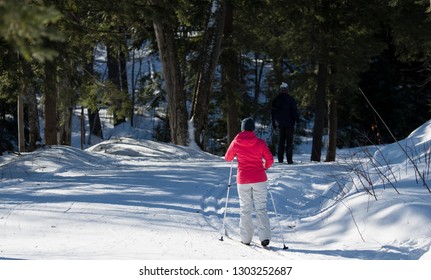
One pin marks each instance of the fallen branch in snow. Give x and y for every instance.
(380, 173)
(401, 147)
(354, 221)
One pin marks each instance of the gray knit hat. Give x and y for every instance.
(247, 124)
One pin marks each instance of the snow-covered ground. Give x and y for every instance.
(126, 199)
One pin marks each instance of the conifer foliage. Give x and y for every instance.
(221, 61)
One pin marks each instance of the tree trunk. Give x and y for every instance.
(331, 151)
(319, 121)
(2, 125)
(33, 116)
(66, 127)
(95, 124)
(332, 130)
(33, 120)
(209, 56)
(233, 106)
(114, 76)
(113, 66)
(93, 116)
(132, 113)
(258, 74)
(82, 125)
(230, 75)
(20, 117)
(322, 81)
(177, 109)
(123, 72)
(278, 71)
(2, 119)
(66, 113)
(50, 108)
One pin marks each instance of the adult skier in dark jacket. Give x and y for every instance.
(284, 114)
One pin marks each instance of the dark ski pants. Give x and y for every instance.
(286, 144)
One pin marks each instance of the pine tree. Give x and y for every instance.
(332, 41)
(165, 28)
(27, 28)
(208, 60)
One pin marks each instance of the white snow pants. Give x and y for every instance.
(250, 195)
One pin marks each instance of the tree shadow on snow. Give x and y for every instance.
(385, 253)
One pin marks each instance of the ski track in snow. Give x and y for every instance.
(155, 201)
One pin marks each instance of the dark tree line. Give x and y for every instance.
(219, 58)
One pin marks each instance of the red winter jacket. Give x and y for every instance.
(253, 157)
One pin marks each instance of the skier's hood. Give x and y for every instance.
(246, 138)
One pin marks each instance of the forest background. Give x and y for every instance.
(355, 67)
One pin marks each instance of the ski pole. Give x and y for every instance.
(278, 220)
(224, 233)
